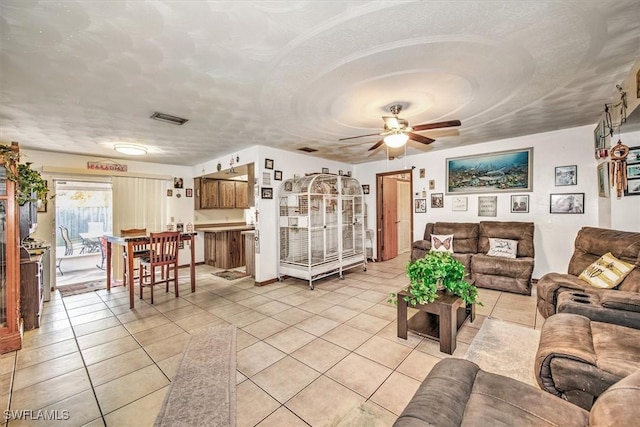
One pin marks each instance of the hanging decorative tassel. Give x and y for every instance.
(618, 167)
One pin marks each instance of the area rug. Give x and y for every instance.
(231, 274)
(203, 389)
(505, 348)
(81, 288)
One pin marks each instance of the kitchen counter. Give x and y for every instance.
(224, 244)
(222, 228)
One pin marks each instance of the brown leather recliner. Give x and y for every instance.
(565, 292)
(578, 359)
(457, 392)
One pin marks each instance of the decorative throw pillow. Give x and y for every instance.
(607, 272)
(442, 242)
(502, 247)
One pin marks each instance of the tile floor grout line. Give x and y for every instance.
(13, 377)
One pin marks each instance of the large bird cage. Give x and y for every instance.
(321, 220)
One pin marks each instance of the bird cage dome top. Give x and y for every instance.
(321, 183)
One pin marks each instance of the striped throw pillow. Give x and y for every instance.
(607, 272)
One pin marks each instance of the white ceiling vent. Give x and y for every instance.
(169, 119)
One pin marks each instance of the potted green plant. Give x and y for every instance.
(437, 271)
(29, 183)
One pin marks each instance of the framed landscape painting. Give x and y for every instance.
(503, 171)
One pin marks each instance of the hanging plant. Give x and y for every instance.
(29, 183)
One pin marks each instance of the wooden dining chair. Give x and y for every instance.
(139, 250)
(163, 253)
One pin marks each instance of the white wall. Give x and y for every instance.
(554, 233)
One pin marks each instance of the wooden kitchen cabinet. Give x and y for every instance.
(197, 188)
(220, 194)
(242, 194)
(209, 194)
(227, 194)
(31, 290)
(224, 249)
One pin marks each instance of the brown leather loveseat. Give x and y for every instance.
(566, 293)
(471, 244)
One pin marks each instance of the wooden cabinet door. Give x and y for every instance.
(210, 194)
(197, 193)
(227, 194)
(242, 195)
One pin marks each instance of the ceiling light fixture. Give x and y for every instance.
(131, 149)
(396, 140)
(174, 120)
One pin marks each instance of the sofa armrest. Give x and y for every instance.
(423, 245)
(621, 300)
(442, 397)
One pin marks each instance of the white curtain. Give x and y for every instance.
(137, 203)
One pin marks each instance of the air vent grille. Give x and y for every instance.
(307, 149)
(169, 118)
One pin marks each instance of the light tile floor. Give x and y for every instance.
(304, 357)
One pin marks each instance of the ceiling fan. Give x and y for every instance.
(397, 131)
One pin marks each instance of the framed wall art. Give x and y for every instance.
(365, 189)
(266, 178)
(488, 206)
(169, 193)
(188, 192)
(459, 203)
(277, 175)
(268, 163)
(567, 203)
(422, 172)
(325, 170)
(503, 171)
(437, 200)
(420, 206)
(266, 193)
(603, 179)
(566, 175)
(520, 203)
(633, 172)
(177, 182)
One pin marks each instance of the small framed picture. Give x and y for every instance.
(277, 175)
(268, 163)
(288, 186)
(566, 175)
(603, 179)
(633, 187)
(365, 189)
(633, 171)
(437, 200)
(487, 205)
(432, 184)
(177, 182)
(567, 203)
(188, 192)
(420, 206)
(169, 193)
(459, 203)
(422, 172)
(340, 172)
(520, 203)
(325, 170)
(266, 193)
(266, 178)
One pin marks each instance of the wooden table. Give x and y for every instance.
(440, 319)
(128, 242)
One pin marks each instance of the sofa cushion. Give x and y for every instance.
(606, 272)
(512, 230)
(504, 248)
(618, 406)
(442, 243)
(503, 274)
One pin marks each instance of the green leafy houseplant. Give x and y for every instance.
(437, 270)
(29, 183)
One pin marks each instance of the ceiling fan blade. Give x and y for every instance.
(419, 138)
(391, 122)
(376, 145)
(437, 125)
(359, 136)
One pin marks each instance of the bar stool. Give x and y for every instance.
(163, 253)
(139, 250)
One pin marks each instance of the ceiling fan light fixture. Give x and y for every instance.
(131, 149)
(396, 140)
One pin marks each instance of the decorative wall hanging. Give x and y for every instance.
(603, 180)
(177, 183)
(266, 178)
(325, 170)
(488, 206)
(266, 193)
(618, 167)
(459, 203)
(568, 203)
(498, 172)
(219, 167)
(422, 173)
(432, 184)
(188, 192)
(633, 171)
(268, 164)
(365, 189)
(277, 175)
(566, 175)
(520, 204)
(437, 200)
(420, 205)
(169, 193)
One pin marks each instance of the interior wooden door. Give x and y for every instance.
(389, 218)
(404, 216)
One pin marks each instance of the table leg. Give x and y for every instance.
(108, 266)
(192, 266)
(402, 318)
(448, 329)
(130, 282)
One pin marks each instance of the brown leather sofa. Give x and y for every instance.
(457, 392)
(471, 243)
(578, 359)
(566, 293)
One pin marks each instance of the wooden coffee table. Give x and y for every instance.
(439, 320)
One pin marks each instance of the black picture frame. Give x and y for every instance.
(277, 175)
(365, 189)
(268, 163)
(437, 200)
(566, 175)
(566, 203)
(325, 170)
(266, 193)
(519, 203)
(188, 192)
(177, 182)
(420, 205)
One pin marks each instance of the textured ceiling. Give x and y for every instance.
(79, 76)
